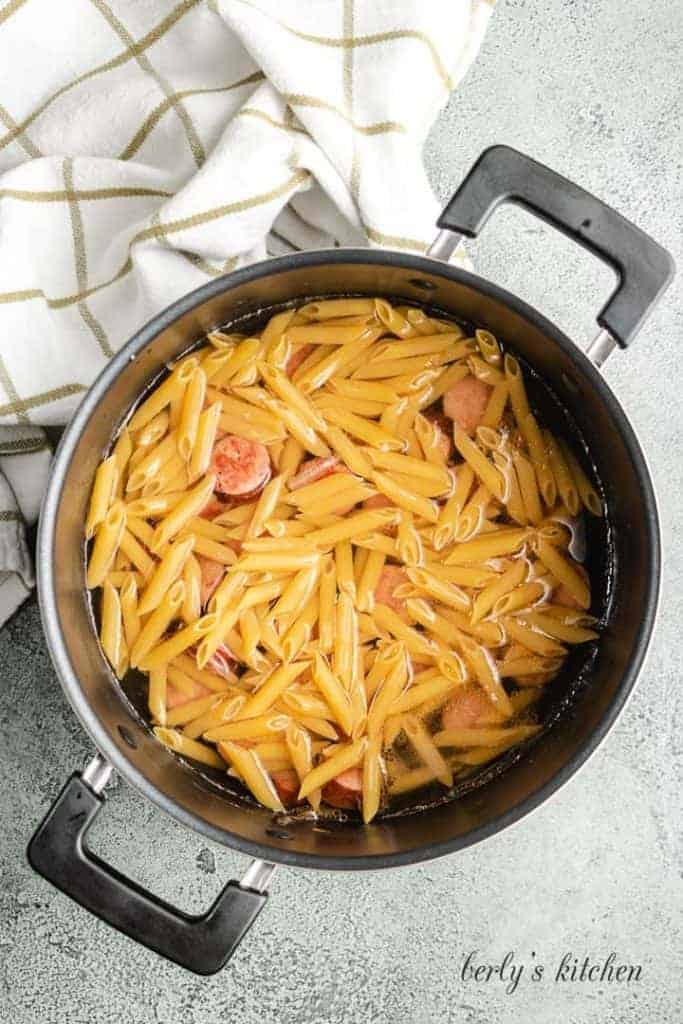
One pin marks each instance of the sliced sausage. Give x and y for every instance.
(316, 469)
(469, 708)
(392, 576)
(242, 467)
(213, 508)
(287, 786)
(345, 791)
(174, 698)
(212, 573)
(465, 403)
(297, 358)
(562, 596)
(377, 501)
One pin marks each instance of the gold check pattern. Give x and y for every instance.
(186, 139)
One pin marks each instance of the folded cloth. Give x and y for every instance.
(148, 147)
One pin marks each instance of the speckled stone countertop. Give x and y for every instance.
(592, 87)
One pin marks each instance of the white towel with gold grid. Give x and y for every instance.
(146, 147)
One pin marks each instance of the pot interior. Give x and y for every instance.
(577, 707)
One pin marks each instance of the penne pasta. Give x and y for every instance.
(103, 493)
(106, 544)
(112, 635)
(371, 584)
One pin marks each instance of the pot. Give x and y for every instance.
(580, 706)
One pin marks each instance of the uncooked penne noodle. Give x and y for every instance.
(158, 622)
(347, 757)
(271, 689)
(175, 740)
(328, 309)
(346, 628)
(224, 709)
(373, 391)
(243, 355)
(300, 750)
(523, 596)
(250, 631)
(103, 492)
(192, 405)
(372, 778)
(493, 545)
(441, 590)
(405, 498)
(128, 596)
(516, 389)
(252, 772)
(356, 525)
(106, 544)
(162, 396)
(112, 635)
(364, 429)
(334, 693)
(426, 749)
(327, 597)
(338, 360)
(489, 347)
(205, 438)
(191, 505)
(484, 737)
(372, 570)
(387, 693)
(406, 465)
(409, 543)
(451, 511)
(558, 630)
(540, 459)
(179, 642)
(566, 487)
(517, 628)
(486, 472)
(152, 432)
(496, 405)
(135, 552)
(165, 574)
(565, 571)
(266, 505)
(350, 454)
(529, 665)
(418, 693)
(485, 670)
(156, 697)
(284, 388)
(415, 642)
(528, 487)
(301, 629)
(503, 584)
(248, 728)
(590, 498)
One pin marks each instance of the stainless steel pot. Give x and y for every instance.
(581, 705)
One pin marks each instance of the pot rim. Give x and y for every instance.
(46, 581)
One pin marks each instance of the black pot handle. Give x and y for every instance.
(644, 268)
(202, 944)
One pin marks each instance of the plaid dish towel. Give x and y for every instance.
(147, 146)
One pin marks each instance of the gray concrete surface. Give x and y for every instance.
(591, 87)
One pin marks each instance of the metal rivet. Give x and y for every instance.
(425, 286)
(570, 384)
(278, 833)
(125, 735)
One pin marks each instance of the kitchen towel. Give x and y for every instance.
(147, 146)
